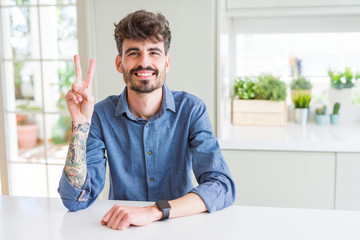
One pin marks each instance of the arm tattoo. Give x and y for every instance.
(75, 165)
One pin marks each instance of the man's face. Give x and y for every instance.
(143, 64)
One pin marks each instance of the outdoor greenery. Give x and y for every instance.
(301, 83)
(66, 30)
(21, 46)
(266, 87)
(19, 2)
(302, 100)
(346, 79)
(60, 132)
(66, 76)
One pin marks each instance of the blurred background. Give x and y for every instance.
(215, 44)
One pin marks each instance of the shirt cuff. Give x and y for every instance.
(214, 197)
(73, 197)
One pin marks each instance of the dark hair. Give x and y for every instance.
(142, 25)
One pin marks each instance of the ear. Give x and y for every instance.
(118, 63)
(167, 62)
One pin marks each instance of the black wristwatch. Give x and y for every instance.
(165, 207)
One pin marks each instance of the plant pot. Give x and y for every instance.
(259, 112)
(27, 135)
(342, 96)
(302, 115)
(321, 119)
(20, 118)
(334, 119)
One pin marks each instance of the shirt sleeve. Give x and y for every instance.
(216, 187)
(76, 199)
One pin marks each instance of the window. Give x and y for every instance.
(258, 37)
(315, 54)
(38, 41)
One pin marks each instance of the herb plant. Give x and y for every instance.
(244, 88)
(302, 100)
(301, 83)
(321, 111)
(270, 87)
(266, 87)
(346, 79)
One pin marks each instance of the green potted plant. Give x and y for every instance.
(321, 115)
(259, 101)
(244, 88)
(342, 84)
(300, 85)
(335, 117)
(271, 88)
(301, 102)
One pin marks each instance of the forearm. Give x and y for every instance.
(189, 204)
(122, 216)
(75, 165)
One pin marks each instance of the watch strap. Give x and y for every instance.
(165, 207)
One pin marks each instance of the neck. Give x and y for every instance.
(144, 105)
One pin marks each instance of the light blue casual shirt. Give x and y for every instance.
(152, 160)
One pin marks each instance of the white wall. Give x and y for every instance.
(192, 48)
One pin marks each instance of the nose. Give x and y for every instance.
(144, 60)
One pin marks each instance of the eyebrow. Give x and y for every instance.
(132, 49)
(155, 49)
(138, 49)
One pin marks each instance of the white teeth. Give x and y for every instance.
(145, 74)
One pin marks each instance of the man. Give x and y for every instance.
(153, 137)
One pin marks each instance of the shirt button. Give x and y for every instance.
(151, 179)
(147, 125)
(149, 152)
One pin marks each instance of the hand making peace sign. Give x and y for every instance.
(79, 98)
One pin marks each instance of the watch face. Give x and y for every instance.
(163, 204)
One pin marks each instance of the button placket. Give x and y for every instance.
(149, 163)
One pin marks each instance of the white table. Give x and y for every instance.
(47, 218)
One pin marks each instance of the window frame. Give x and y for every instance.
(84, 11)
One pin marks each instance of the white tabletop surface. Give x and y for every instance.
(47, 218)
(344, 137)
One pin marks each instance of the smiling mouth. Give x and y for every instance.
(144, 74)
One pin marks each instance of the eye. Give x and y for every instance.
(154, 53)
(133, 54)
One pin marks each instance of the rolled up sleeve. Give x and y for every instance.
(76, 199)
(216, 187)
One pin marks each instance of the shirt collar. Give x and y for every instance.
(167, 103)
(168, 98)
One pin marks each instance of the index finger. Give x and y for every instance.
(78, 72)
(107, 216)
(90, 74)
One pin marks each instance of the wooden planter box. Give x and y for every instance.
(259, 112)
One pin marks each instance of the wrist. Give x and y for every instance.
(165, 207)
(83, 127)
(155, 212)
